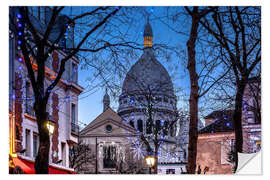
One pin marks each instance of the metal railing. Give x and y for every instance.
(74, 128)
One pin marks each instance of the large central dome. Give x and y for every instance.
(147, 74)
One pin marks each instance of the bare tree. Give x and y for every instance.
(196, 14)
(205, 72)
(38, 44)
(130, 164)
(80, 155)
(237, 31)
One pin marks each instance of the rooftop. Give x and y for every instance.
(224, 122)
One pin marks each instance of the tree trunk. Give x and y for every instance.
(42, 159)
(237, 118)
(194, 95)
(156, 163)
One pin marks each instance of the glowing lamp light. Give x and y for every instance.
(150, 161)
(50, 125)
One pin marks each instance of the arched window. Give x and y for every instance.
(140, 125)
(165, 128)
(131, 122)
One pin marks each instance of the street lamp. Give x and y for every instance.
(150, 161)
(50, 124)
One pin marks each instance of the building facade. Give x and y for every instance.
(110, 140)
(62, 106)
(251, 116)
(216, 141)
(215, 144)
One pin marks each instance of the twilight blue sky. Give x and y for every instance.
(90, 101)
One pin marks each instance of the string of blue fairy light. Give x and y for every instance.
(20, 59)
(20, 69)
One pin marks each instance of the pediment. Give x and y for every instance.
(109, 117)
(101, 129)
(107, 114)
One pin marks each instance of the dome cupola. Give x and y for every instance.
(148, 35)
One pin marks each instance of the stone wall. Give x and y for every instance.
(212, 153)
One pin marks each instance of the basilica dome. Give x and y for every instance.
(147, 74)
(148, 103)
(147, 80)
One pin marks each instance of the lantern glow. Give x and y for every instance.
(50, 127)
(50, 124)
(150, 161)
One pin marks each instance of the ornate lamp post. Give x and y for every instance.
(150, 161)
